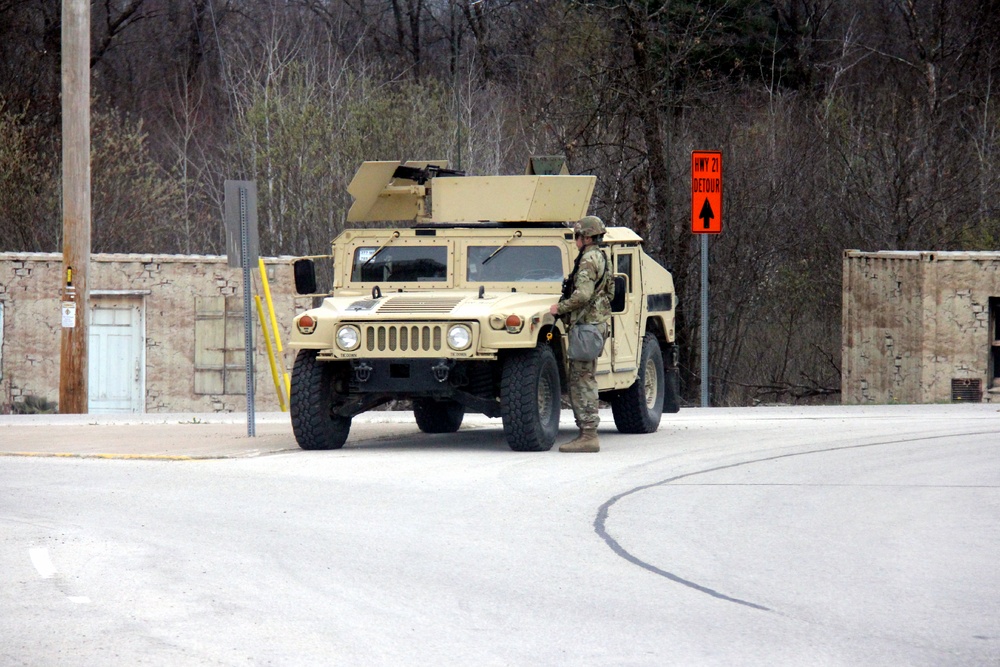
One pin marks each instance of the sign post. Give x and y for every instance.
(706, 218)
(242, 250)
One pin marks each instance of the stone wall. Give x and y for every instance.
(167, 289)
(918, 324)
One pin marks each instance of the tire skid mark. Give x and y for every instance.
(600, 521)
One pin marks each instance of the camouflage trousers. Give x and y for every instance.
(583, 393)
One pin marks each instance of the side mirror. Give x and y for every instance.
(305, 276)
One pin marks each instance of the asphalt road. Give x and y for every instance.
(765, 536)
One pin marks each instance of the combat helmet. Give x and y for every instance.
(590, 225)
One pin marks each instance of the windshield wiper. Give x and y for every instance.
(516, 235)
(395, 235)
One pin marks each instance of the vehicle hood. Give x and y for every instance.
(454, 304)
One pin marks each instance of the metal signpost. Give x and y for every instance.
(706, 218)
(242, 249)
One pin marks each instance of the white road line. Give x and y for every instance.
(40, 559)
(42, 562)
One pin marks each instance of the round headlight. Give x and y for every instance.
(348, 337)
(459, 337)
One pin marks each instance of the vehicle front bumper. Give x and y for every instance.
(406, 376)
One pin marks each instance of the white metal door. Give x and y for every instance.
(115, 363)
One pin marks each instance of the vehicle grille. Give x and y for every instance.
(403, 337)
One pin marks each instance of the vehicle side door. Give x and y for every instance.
(625, 318)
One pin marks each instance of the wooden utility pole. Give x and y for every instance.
(73, 390)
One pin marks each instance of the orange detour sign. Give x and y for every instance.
(706, 192)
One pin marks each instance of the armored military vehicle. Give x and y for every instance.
(451, 309)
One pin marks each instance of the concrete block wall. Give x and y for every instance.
(167, 286)
(915, 321)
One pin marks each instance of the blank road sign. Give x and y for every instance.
(706, 192)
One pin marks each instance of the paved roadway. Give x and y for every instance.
(764, 536)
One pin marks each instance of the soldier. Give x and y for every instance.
(587, 300)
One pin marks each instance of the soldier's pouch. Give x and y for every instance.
(585, 341)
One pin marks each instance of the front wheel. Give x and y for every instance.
(311, 405)
(437, 416)
(530, 399)
(638, 409)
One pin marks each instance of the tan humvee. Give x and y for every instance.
(452, 311)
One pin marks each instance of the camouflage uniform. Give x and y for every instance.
(592, 275)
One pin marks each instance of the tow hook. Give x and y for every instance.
(362, 371)
(441, 370)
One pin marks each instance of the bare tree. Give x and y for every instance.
(29, 198)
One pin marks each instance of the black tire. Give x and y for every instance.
(311, 405)
(530, 399)
(638, 408)
(437, 416)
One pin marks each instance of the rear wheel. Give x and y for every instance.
(311, 405)
(437, 416)
(530, 399)
(638, 408)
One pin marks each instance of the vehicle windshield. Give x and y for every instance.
(514, 263)
(400, 264)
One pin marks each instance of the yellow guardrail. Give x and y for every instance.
(282, 382)
(270, 355)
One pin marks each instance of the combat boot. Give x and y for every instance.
(585, 442)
